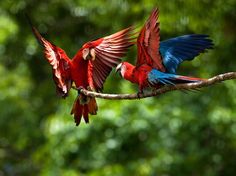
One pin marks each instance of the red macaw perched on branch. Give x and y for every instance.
(157, 61)
(88, 69)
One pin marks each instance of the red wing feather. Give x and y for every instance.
(60, 64)
(108, 53)
(148, 43)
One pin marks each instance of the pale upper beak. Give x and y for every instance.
(118, 67)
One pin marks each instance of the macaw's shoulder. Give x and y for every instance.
(94, 43)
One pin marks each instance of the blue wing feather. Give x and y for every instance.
(176, 50)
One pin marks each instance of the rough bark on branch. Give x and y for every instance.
(164, 89)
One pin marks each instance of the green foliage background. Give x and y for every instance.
(174, 134)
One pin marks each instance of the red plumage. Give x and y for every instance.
(88, 69)
(149, 59)
(148, 43)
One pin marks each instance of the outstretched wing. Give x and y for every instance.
(176, 50)
(107, 54)
(60, 64)
(148, 43)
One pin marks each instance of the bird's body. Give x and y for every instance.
(138, 75)
(79, 75)
(88, 69)
(157, 61)
(79, 70)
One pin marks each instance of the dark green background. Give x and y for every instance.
(173, 134)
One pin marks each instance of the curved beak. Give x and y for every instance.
(89, 54)
(118, 67)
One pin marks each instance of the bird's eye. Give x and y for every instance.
(85, 50)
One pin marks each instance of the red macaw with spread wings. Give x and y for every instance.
(157, 61)
(88, 69)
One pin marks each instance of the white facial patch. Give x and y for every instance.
(85, 53)
(123, 70)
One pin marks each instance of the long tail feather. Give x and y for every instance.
(85, 113)
(92, 106)
(186, 79)
(156, 77)
(82, 108)
(77, 111)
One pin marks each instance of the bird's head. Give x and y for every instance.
(123, 68)
(88, 54)
(119, 68)
(88, 51)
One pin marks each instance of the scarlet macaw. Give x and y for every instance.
(88, 69)
(157, 61)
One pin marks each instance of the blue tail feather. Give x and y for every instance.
(156, 77)
(176, 50)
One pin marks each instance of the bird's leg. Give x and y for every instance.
(140, 92)
(79, 92)
(79, 89)
(83, 98)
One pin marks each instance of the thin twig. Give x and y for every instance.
(164, 89)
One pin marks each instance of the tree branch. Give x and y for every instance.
(164, 89)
